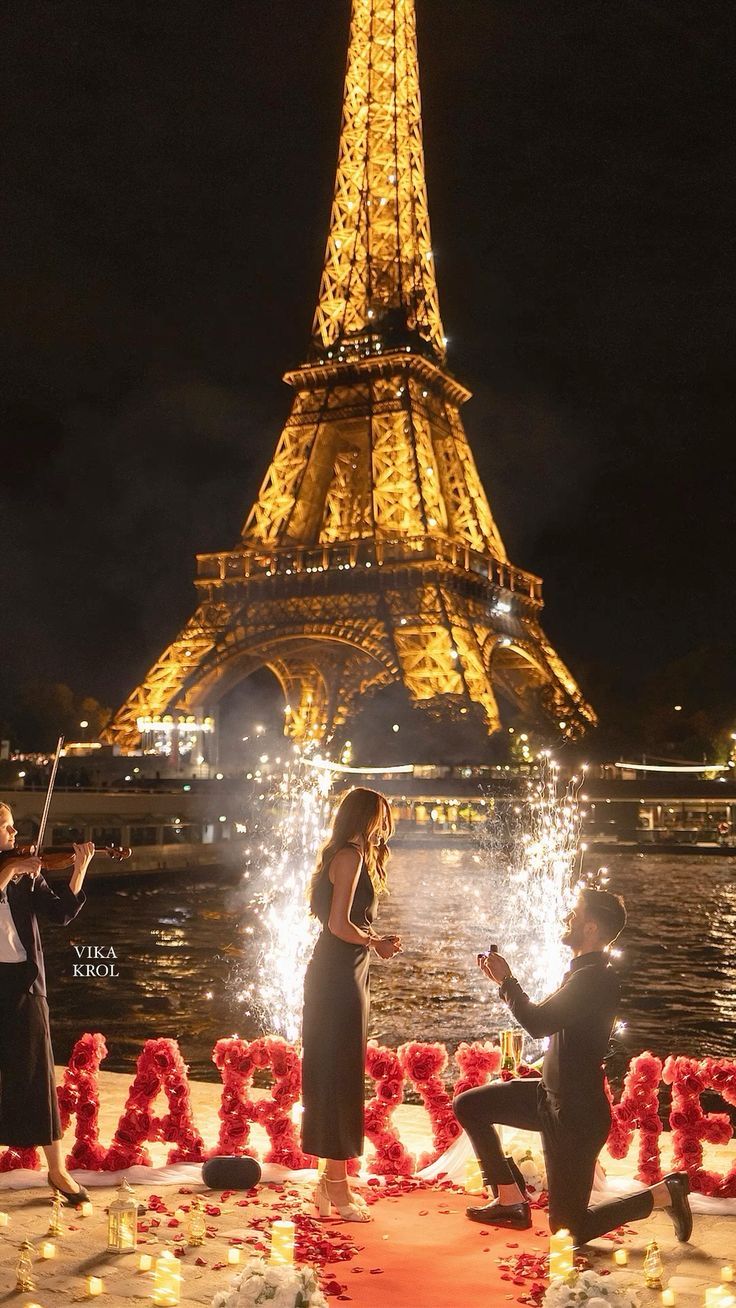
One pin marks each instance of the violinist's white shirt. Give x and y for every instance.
(12, 949)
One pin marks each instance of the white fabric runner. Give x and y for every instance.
(452, 1163)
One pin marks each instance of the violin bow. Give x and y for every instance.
(47, 804)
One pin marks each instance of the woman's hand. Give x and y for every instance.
(22, 865)
(387, 946)
(83, 854)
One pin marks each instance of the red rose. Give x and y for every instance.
(390, 1090)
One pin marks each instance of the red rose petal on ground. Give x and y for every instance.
(217, 1267)
(199, 1262)
(376, 1271)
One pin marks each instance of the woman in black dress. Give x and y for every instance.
(350, 876)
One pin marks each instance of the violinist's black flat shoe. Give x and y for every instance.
(517, 1217)
(678, 1186)
(72, 1198)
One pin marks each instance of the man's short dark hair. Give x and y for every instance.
(607, 910)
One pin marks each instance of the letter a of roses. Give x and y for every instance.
(160, 1067)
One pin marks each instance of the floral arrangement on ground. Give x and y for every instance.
(286, 1286)
(595, 1289)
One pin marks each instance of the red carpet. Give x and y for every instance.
(420, 1251)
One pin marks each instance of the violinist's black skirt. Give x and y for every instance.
(29, 1109)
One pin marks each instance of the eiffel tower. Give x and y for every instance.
(371, 555)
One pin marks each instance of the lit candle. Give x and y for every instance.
(668, 1298)
(47, 1249)
(726, 1272)
(94, 1286)
(560, 1254)
(233, 1256)
(85, 1209)
(282, 1242)
(297, 1112)
(167, 1283)
(4, 1220)
(620, 1257)
(473, 1176)
(717, 1296)
(145, 1263)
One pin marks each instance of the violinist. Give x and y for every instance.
(29, 1113)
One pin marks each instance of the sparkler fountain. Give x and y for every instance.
(533, 855)
(279, 869)
(529, 859)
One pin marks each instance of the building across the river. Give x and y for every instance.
(174, 823)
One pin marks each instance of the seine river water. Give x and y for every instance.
(181, 946)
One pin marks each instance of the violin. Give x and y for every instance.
(59, 857)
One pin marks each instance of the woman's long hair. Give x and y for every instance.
(361, 812)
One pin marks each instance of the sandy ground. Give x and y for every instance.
(81, 1252)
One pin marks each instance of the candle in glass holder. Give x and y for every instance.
(717, 1296)
(668, 1298)
(233, 1256)
(474, 1182)
(94, 1286)
(282, 1242)
(560, 1254)
(145, 1263)
(727, 1273)
(167, 1281)
(85, 1209)
(47, 1249)
(4, 1220)
(620, 1257)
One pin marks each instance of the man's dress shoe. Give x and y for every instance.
(678, 1186)
(517, 1217)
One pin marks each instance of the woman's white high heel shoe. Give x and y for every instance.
(352, 1212)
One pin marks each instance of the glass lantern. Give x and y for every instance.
(24, 1270)
(197, 1227)
(122, 1221)
(653, 1267)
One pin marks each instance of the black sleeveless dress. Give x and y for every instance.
(335, 1028)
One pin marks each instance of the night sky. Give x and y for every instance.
(167, 182)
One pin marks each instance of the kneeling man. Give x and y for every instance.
(569, 1106)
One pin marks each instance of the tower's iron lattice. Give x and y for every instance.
(370, 555)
